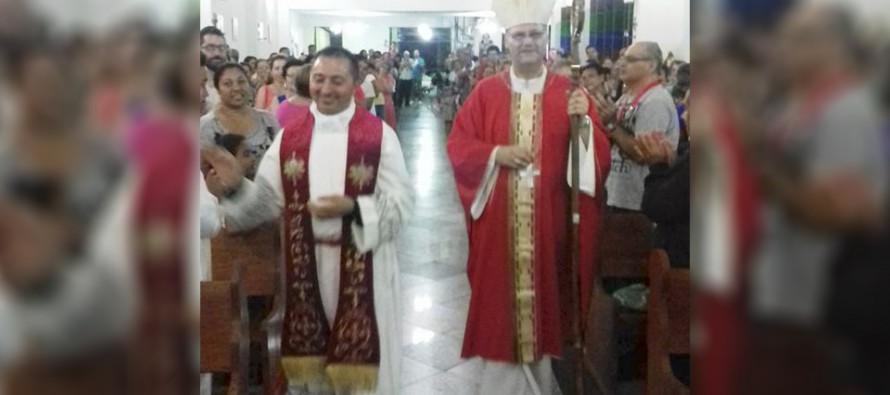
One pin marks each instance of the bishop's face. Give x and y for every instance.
(526, 43)
(331, 84)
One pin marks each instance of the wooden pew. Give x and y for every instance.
(668, 324)
(224, 343)
(624, 245)
(259, 252)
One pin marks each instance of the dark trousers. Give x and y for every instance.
(403, 93)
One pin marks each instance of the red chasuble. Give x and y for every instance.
(347, 354)
(519, 263)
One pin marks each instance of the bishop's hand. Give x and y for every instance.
(578, 103)
(514, 156)
(225, 174)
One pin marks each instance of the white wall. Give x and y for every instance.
(665, 22)
(359, 32)
(273, 13)
(99, 16)
(392, 5)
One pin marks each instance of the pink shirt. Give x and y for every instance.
(286, 112)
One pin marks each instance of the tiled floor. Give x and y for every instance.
(432, 255)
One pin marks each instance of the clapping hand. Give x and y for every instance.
(604, 108)
(654, 148)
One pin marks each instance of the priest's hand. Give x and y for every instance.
(578, 103)
(333, 206)
(225, 173)
(514, 156)
(30, 246)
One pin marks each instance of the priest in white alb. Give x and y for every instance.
(337, 178)
(509, 149)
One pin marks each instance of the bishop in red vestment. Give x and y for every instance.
(509, 150)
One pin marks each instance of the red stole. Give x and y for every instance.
(484, 122)
(347, 355)
(163, 153)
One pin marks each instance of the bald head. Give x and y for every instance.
(652, 52)
(640, 61)
(815, 37)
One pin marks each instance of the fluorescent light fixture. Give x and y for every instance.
(351, 13)
(425, 32)
(479, 14)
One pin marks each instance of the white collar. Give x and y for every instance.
(533, 85)
(336, 122)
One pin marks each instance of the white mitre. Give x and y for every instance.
(517, 12)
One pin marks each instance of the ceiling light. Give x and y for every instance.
(425, 32)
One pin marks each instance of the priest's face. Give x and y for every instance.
(331, 84)
(526, 43)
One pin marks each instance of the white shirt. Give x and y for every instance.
(368, 87)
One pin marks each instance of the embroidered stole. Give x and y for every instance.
(347, 355)
(525, 130)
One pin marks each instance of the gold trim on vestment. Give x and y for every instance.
(301, 371)
(353, 378)
(525, 129)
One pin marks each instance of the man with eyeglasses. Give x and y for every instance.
(214, 47)
(646, 107)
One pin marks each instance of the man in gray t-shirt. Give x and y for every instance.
(646, 107)
(822, 170)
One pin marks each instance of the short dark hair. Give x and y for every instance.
(211, 31)
(595, 66)
(217, 75)
(336, 52)
(292, 62)
(493, 48)
(249, 58)
(230, 142)
(283, 49)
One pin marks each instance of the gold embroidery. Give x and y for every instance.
(361, 174)
(294, 168)
(524, 130)
(354, 337)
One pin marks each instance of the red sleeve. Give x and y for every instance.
(467, 148)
